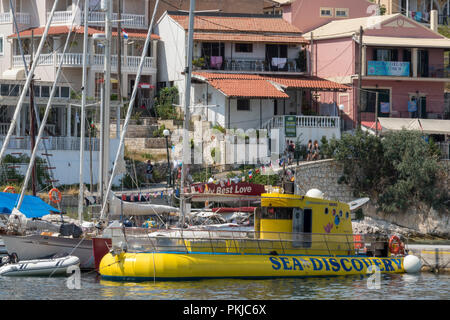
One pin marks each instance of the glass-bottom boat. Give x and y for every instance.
(293, 236)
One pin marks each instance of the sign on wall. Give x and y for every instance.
(290, 126)
(388, 68)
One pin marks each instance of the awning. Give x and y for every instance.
(435, 126)
(14, 74)
(399, 124)
(32, 207)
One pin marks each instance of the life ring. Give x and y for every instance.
(396, 246)
(10, 188)
(51, 195)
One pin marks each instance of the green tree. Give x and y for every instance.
(164, 103)
(398, 171)
(414, 167)
(362, 157)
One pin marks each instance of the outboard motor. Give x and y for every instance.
(70, 229)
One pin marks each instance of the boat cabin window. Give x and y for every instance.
(276, 213)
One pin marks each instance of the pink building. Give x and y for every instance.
(308, 15)
(402, 61)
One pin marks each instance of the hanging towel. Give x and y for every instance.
(279, 62)
(216, 62)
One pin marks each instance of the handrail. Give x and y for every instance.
(217, 241)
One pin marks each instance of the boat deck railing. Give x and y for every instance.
(247, 242)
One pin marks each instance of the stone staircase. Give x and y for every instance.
(140, 138)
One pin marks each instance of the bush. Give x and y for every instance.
(399, 170)
(167, 97)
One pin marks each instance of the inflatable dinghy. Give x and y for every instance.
(41, 267)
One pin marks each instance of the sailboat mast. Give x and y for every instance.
(32, 120)
(36, 111)
(83, 111)
(46, 114)
(27, 84)
(187, 100)
(107, 95)
(129, 111)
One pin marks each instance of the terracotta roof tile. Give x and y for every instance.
(236, 23)
(249, 37)
(307, 82)
(54, 30)
(283, 81)
(242, 88)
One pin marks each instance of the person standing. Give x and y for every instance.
(316, 150)
(149, 172)
(290, 151)
(309, 150)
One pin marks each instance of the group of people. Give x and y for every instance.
(312, 151)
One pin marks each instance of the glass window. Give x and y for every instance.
(326, 12)
(369, 100)
(243, 105)
(65, 92)
(45, 91)
(385, 55)
(1, 44)
(4, 89)
(37, 91)
(341, 13)
(276, 213)
(14, 90)
(244, 47)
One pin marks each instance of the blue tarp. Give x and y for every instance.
(32, 207)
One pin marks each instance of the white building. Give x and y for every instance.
(250, 71)
(63, 128)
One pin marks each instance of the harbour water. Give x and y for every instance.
(423, 286)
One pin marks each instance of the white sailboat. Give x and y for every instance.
(38, 246)
(43, 246)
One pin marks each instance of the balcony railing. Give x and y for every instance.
(304, 122)
(405, 69)
(4, 127)
(424, 17)
(96, 18)
(252, 64)
(22, 18)
(94, 60)
(52, 143)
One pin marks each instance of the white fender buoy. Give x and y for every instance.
(412, 264)
(315, 193)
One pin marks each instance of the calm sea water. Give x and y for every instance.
(395, 286)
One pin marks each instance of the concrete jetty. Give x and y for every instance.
(435, 258)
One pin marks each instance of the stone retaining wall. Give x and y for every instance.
(323, 175)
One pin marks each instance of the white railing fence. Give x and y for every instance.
(305, 122)
(52, 143)
(97, 18)
(76, 60)
(22, 18)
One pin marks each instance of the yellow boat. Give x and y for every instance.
(293, 236)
